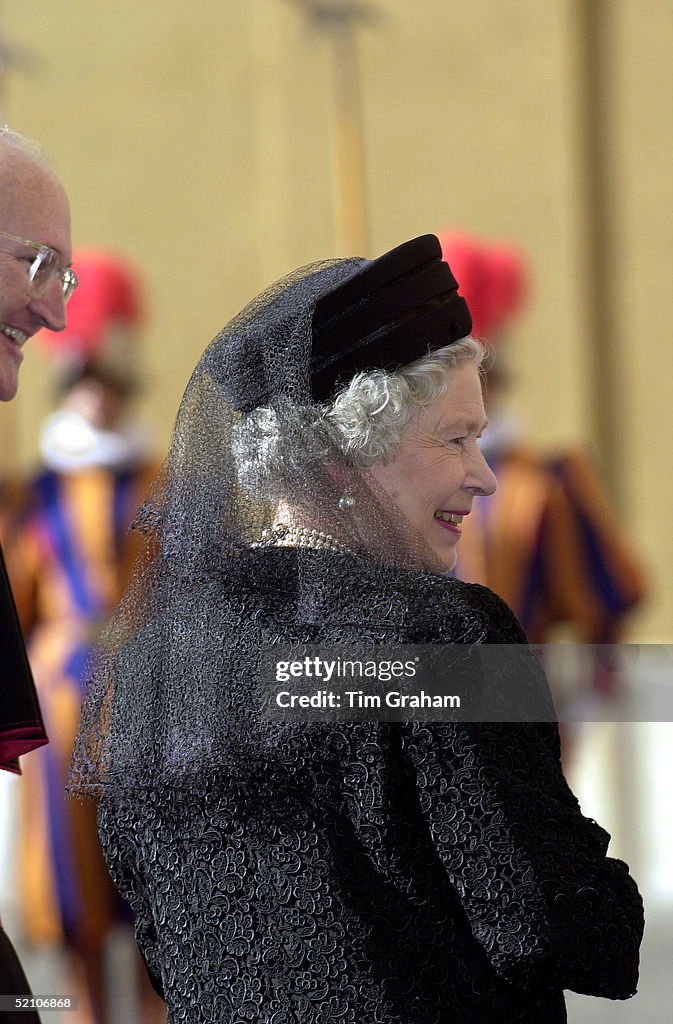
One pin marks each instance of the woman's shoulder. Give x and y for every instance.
(469, 609)
(503, 625)
(406, 605)
(434, 609)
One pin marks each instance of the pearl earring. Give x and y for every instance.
(347, 501)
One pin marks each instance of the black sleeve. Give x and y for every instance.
(542, 898)
(126, 867)
(21, 725)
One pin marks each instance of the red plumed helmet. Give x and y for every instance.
(491, 278)
(106, 306)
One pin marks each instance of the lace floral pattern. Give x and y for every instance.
(372, 873)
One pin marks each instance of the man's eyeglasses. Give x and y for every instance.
(44, 266)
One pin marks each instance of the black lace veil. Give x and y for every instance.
(250, 447)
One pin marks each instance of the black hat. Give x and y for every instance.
(388, 313)
(368, 314)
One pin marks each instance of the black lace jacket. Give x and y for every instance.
(367, 873)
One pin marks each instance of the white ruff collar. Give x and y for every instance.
(68, 442)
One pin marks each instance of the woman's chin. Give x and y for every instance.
(448, 558)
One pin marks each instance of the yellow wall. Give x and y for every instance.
(196, 137)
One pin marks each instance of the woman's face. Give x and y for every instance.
(439, 467)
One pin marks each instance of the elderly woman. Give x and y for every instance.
(324, 457)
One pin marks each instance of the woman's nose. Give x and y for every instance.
(481, 478)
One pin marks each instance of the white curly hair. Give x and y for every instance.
(365, 421)
(369, 416)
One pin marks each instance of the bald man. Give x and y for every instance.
(35, 284)
(35, 251)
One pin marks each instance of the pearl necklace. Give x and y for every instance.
(283, 536)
